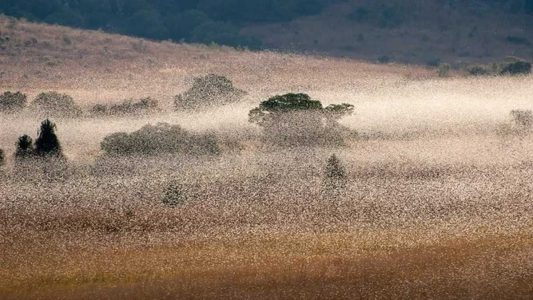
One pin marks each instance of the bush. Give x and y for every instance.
(2, 158)
(516, 68)
(296, 119)
(55, 104)
(444, 70)
(24, 147)
(208, 91)
(159, 139)
(478, 71)
(127, 107)
(175, 194)
(520, 125)
(12, 102)
(522, 119)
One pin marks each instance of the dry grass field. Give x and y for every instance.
(438, 202)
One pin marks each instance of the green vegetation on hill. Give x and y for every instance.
(202, 21)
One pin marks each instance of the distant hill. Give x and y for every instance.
(422, 32)
(94, 66)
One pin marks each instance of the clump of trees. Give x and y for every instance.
(56, 104)
(46, 145)
(126, 107)
(510, 66)
(518, 67)
(208, 91)
(159, 139)
(12, 102)
(297, 120)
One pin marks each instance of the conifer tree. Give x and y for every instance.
(24, 147)
(47, 144)
(335, 177)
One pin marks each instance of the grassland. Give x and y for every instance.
(438, 204)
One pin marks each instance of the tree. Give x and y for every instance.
(207, 91)
(160, 139)
(296, 119)
(2, 158)
(516, 68)
(56, 104)
(24, 147)
(12, 102)
(47, 144)
(335, 177)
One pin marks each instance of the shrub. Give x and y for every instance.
(444, 70)
(55, 104)
(478, 70)
(516, 68)
(334, 168)
(208, 91)
(2, 158)
(127, 107)
(296, 119)
(522, 119)
(12, 102)
(384, 59)
(335, 177)
(158, 139)
(47, 143)
(24, 147)
(175, 194)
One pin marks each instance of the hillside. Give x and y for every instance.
(94, 66)
(422, 32)
(406, 31)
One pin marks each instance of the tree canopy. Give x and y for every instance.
(296, 119)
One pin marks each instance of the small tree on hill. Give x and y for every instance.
(24, 147)
(12, 102)
(47, 144)
(296, 119)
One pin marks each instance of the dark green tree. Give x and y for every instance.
(296, 119)
(47, 144)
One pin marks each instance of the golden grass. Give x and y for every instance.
(332, 266)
